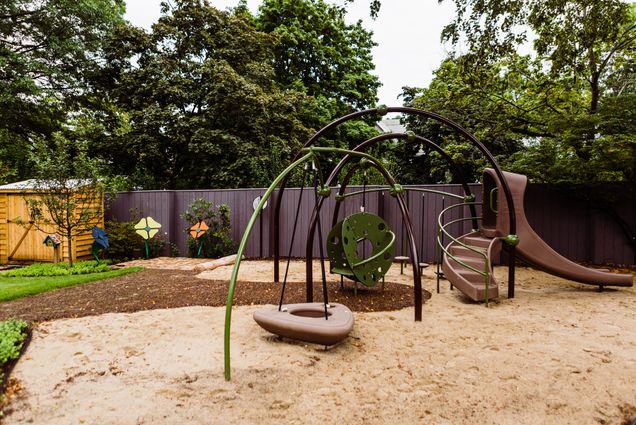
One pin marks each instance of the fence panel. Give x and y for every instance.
(571, 227)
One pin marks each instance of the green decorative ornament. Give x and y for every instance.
(396, 189)
(511, 240)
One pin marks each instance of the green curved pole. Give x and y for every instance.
(309, 154)
(378, 255)
(239, 254)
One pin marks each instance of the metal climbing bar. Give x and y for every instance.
(407, 189)
(239, 254)
(442, 231)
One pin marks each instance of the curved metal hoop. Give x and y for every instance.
(426, 114)
(406, 217)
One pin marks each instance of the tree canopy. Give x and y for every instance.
(200, 100)
(319, 54)
(209, 98)
(47, 51)
(564, 112)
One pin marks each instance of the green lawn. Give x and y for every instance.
(18, 287)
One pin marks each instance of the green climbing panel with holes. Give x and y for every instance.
(361, 247)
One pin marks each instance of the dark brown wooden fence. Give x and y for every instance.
(571, 227)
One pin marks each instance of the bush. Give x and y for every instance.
(125, 244)
(217, 241)
(59, 269)
(12, 335)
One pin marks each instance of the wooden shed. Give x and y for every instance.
(21, 241)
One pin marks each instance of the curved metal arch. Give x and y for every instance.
(406, 217)
(308, 154)
(417, 281)
(423, 113)
(415, 138)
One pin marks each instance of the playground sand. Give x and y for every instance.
(559, 353)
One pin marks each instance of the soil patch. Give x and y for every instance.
(156, 289)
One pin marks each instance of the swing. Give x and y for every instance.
(307, 322)
(318, 323)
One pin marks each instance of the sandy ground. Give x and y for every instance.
(559, 353)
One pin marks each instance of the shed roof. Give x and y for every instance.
(32, 184)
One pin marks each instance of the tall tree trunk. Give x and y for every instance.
(70, 248)
(595, 91)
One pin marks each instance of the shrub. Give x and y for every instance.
(12, 335)
(59, 269)
(125, 244)
(217, 241)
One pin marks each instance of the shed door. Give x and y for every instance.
(32, 247)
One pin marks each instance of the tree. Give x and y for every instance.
(319, 53)
(199, 101)
(67, 195)
(485, 109)
(583, 39)
(553, 114)
(48, 49)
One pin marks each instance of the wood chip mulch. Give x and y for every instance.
(153, 289)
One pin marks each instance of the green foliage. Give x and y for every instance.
(12, 335)
(125, 244)
(156, 245)
(59, 269)
(201, 101)
(217, 241)
(68, 196)
(570, 156)
(48, 49)
(174, 250)
(563, 113)
(483, 109)
(318, 53)
(18, 287)
(576, 37)
(198, 101)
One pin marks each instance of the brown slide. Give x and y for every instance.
(532, 248)
(477, 281)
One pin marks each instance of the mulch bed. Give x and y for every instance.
(152, 289)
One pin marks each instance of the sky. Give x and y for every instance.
(407, 33)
